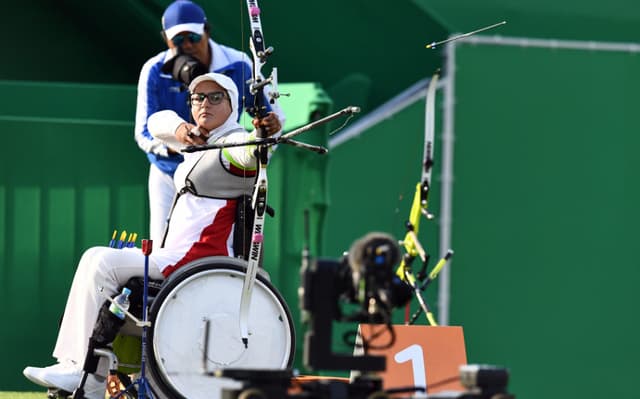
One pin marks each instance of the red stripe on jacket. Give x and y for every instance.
(213, 239)
(234, 170)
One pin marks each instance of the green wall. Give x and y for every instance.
(613, 21)
(70, 174)
(545, 217)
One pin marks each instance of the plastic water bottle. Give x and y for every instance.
(123, 302)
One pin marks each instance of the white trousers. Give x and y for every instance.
(161, 193)
(100, 269)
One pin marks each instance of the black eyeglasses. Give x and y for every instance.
(193, 38)
(215, 97)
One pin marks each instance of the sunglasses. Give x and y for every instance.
(214, 98)
(193, 38)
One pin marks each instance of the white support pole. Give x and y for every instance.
(446, 184)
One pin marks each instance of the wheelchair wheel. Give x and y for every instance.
(195, 329)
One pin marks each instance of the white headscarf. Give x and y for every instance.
(232, 91)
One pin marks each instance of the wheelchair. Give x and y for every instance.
(194, 331)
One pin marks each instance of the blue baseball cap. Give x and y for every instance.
(183, 16)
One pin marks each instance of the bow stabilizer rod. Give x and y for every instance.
(433, 45)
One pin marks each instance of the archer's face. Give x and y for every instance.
(210, 105)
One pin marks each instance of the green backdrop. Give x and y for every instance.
(545, 216)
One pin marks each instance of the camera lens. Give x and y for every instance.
(188, 69)
(184, 68)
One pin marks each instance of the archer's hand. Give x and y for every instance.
(191, 134)
(270, 124)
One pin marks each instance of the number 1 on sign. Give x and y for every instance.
(413, 353)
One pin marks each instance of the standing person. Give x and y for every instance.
(186, 32)
(201, 224)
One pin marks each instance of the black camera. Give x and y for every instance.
(184, 68)
(365, 277)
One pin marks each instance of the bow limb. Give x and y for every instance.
(259, 199)
(260, 55)
(429, 138)
(419, 207)
(420, 203)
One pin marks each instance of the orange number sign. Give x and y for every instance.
(421, 356)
